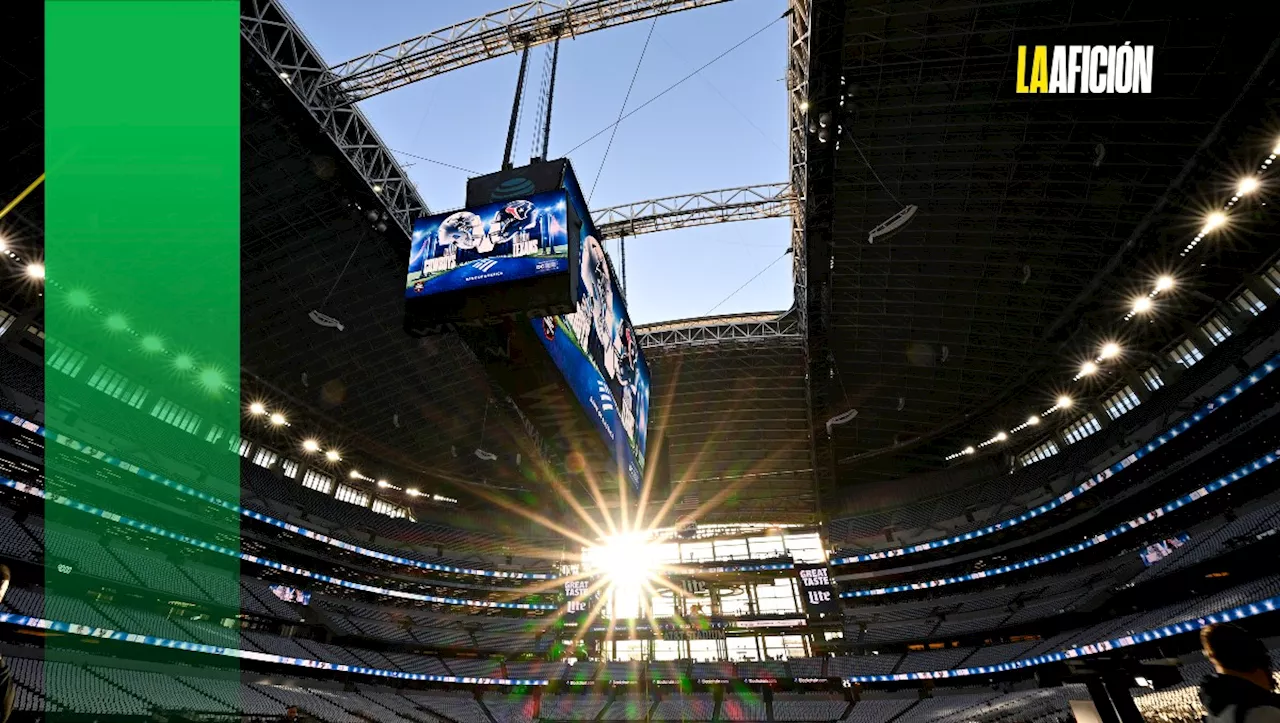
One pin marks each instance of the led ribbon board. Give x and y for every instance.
(1124, 528)
(1224, 397)
(118, 463)
(255, 559)
(1258, 607)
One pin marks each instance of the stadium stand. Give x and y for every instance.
(1007, 452)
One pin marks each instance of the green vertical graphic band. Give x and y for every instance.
(142, 340)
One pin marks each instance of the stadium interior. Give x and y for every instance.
(1011, 449)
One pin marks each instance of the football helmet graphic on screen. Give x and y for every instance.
(513, 218)
(628, 355)
(463, 230)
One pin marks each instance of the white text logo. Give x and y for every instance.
(1085, 69)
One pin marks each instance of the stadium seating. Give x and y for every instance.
(808, 707)
(685, 706)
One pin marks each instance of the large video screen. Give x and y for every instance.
(598, 353)
(496, 243)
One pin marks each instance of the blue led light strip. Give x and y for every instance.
(1167, 436)
(317, 536)
(1244, 611)
(265, 562)
(76, 629)
(1101, 537)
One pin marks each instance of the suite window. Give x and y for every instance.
(317, 481)
(352, 495)
(1186, 353)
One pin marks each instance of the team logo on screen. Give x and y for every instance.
(488, 244)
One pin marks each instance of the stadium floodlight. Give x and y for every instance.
(1142, 305)
(277, 419)
(895, 224)
(969, 450)
(1088, 368)
(311, 445)
(354, 474)
(1001, 436)
(1164, 283)
(333, 456)
(257, 408)
(35, 271)
(1213, 220)
(1033, 420)
(1064, 402)
(383, 483)
(1247, 185)
(412, 492)
(1109, 350)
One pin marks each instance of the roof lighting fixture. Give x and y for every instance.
(1247, 185)
(1088, 368)
(354, 474)
(35, 271)
(1064, 402)
(333, 456)
(1033, 420)
(1142, 305)
(412, 492)
(1001, 436)
(383, 483)
(1164, 283)
(1109, 350)
(311, 445)
(1212, 221)
(257, 408)
(1276, 151)
(969, 450)
(277, 419)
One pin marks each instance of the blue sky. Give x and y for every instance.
(725, 127)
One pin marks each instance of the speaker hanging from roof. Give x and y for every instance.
(894, 224)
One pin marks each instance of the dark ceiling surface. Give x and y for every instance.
(22, 128)
(1038, 215)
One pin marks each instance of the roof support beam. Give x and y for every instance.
(714, 331)
(695, 209)
(277, 39)
(493, 35)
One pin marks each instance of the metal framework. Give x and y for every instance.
(695, 209)
(277, 39)
(797, 122)
(489, 36)
(780, 327)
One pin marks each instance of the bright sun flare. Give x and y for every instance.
(627, 565)
(628, 560)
